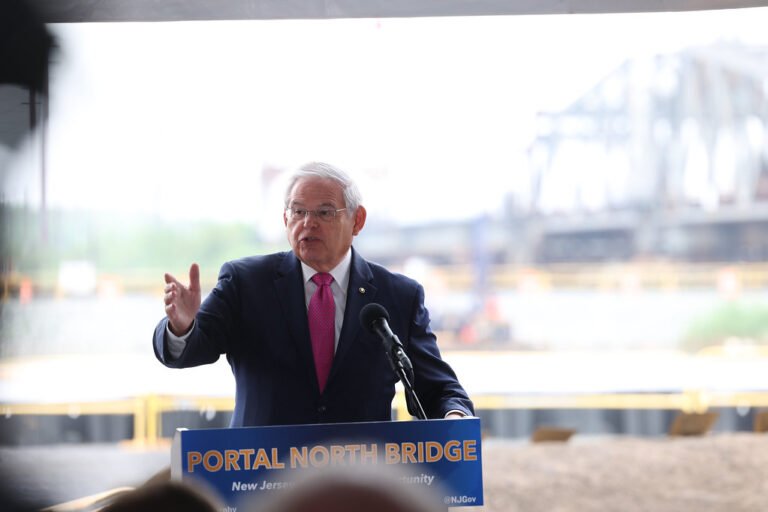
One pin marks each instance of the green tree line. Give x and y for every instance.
(35, 244)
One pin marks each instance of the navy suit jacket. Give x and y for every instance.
(257, 316)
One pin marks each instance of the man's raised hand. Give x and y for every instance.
(182, 302)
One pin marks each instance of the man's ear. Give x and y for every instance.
(360, 216)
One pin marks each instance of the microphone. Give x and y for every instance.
(375, 319)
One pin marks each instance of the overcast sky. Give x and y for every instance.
(433, 115)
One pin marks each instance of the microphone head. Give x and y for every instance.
(371, 313)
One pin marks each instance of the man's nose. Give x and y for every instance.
(309, 218)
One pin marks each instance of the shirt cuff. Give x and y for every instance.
(176, 344)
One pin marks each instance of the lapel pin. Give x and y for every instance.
(361, 289)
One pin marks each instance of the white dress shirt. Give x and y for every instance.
(339, 287)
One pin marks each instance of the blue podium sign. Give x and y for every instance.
(247, 463)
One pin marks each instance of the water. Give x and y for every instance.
(585, 342)
(89, 325)
(559, 319)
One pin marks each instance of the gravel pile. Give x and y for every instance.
(714, 473)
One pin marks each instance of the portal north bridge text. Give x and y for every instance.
(337, 454)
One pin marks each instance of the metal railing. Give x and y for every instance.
(147, 411)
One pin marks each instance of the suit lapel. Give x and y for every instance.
(360, 292)
(290, 291)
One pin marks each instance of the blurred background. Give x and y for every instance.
(584, 198)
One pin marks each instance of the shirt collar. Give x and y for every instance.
(340, 272)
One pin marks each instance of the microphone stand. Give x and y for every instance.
(404, 370)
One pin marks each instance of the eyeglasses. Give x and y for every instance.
(325, 214)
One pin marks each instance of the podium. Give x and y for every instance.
(246, 465)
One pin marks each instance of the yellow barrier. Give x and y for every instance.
(147, 411)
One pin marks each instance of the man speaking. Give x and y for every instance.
(289, 322)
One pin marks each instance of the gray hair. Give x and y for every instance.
(352, 197)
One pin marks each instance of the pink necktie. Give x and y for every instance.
(322, 330)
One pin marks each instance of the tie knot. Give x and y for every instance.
(322, 278)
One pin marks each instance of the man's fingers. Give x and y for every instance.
(170, 279)
(179, 299)
(194, 277)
